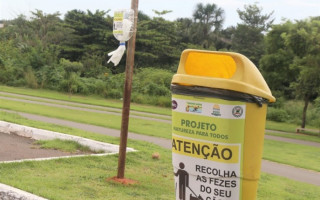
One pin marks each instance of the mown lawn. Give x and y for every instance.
(281, 152)
(91, 100)
(297, 136)
(142, 126)
(297, 155)
(86, 178)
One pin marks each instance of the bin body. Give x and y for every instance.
(217, 131)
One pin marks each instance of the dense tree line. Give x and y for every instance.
(291, 63)
(69, 53)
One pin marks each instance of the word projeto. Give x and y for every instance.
(198, 125)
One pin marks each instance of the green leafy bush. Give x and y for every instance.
(113, 94)
(152, 81)
(313, 115)
(278, 115)
(150, 86)
(30, 78)
(291, 112)
(163, 101)
(50, 76)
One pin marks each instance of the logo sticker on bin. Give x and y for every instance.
(216, 110)
(207, 145)
(194, 107)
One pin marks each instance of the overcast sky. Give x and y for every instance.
(289, 9)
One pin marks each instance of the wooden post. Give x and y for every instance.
(127, 94)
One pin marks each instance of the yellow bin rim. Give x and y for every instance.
(221, 70)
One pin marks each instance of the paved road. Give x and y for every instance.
(287, 171)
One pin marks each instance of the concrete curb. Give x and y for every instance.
(41, 134)
(11, 193)
(60, 157)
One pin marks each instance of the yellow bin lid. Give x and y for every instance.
(222, 70)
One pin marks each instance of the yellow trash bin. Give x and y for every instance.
(219, 105)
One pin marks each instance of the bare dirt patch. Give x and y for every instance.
(14, 147)
(123, 181)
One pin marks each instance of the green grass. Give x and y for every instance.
(85, 178)
(67, 103)
(296, 136)
(273, 149)
(95, 100)
(298, 155)
(79, 105)
(64, 145)
(312, 132)
(15, 118)
(282, 126)
(142, 126)
(92, 100)
(279, 188)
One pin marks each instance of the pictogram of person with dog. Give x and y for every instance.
(184, 183)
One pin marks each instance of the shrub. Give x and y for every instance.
(162, 101)
(294, 109)
(278, 115)
(291, 112)
(313, 115)
(50, 76)
(30, 78)
(113, 94)
(152, 82)
(157, 90)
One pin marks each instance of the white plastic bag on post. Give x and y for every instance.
(122, 30)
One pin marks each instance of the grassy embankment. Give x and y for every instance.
(85, 178)
(95, 100)
(159, 129)
(90, 100)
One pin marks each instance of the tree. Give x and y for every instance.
(157, 43)
(48, 27)
(209, 15)
(206, 18)
(224, 38)
(292, 61)
(72, 71)
(248, 36)
(29, 45)
(304, 40)
(275, 64)
(308, 84)
(49, 33)
(252, 16)
(17, 29)
(185, 29)
(89, 34)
